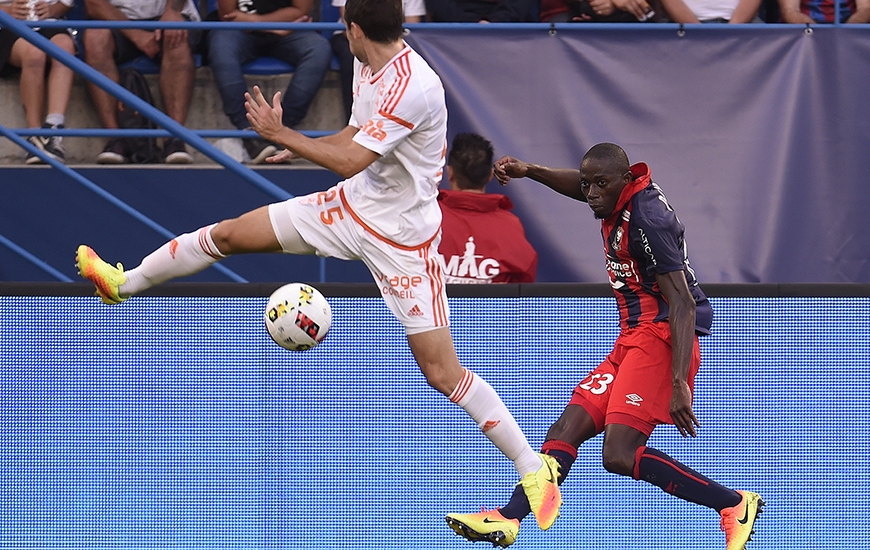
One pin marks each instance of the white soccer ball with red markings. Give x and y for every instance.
(297, 316)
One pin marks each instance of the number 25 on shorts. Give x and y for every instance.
(329, 215)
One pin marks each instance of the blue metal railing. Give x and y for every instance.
(126, 208)
(163, 120)
(173, 128)
(34, 260)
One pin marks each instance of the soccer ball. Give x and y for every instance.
(297, 316)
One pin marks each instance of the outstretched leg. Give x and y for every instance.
(182, 256)
(626, 453)
(436, 356)
(437, 359)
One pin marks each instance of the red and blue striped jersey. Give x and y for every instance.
(644, 237)
(823, 11)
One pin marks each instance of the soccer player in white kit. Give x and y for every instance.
(385, 213)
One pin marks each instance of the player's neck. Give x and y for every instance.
(380, 54)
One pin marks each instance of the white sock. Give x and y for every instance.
(483, 404)
(55, 119)
(182, 256)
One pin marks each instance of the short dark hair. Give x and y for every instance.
(380, 20)
(471, 159)
(612, 153)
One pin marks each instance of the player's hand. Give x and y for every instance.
(265, 119)
(507, 168)
(681, 410)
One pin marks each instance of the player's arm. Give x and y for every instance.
(337, 152)
(562, 180)
(681, 305)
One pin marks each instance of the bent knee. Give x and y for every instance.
(64, 42)
(98, 44)
(439, 378)
(224, 236)
(619, 463)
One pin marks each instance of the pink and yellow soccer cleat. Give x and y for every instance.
(737, 521)
(486, 526)
(106, 278)
(542, 490)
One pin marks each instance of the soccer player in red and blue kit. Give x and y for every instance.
(648, 378)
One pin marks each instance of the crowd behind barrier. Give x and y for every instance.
(323, 82)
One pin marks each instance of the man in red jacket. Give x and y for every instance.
(481, 240)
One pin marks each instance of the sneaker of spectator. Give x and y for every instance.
(50, 145)
(117, 151)
(258, 150)
(175, 152)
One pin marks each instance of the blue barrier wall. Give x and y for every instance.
(175, 423)
(48, 214)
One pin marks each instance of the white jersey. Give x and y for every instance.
(402, 116)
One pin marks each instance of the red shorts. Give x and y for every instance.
(632, 386)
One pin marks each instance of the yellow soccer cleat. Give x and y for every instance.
(737, 521)
(487, 526)
(542, 490)
(106, 278)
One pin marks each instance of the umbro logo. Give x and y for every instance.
(633, 399)
(415, 311)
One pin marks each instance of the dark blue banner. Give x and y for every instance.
(756, 135)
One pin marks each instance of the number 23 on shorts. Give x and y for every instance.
(596, 383)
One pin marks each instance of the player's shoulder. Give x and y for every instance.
(651, 207)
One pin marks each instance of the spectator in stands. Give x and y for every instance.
(481, 240)
(105, 49)
(597, 11)
(19, 54)
(228, 50)
(713, 11)
(823, 11)
(482, 11)
(415, 12)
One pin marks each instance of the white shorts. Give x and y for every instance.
(410, 278)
